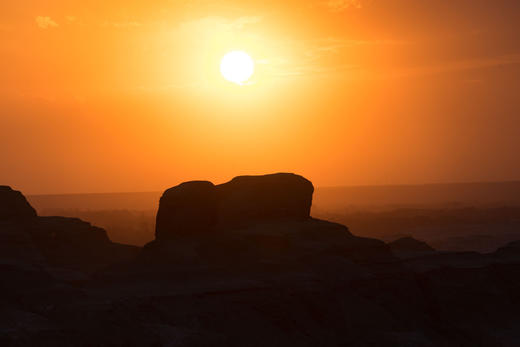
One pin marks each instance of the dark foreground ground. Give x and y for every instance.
(248, 267)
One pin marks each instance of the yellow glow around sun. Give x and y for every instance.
(237, 67)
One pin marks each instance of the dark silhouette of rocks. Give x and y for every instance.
(199, 206)
(71, 242)
(408, 247)
(14, 206)
(187, 209)
(53, 241)
(243, 264)
(247, 200)
(251, 219)
(508, 253)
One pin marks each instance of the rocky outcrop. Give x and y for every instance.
(275, 278)
(251, 219)
(201, 207)
(76, 244)
(186, 209)
(16, 217)
(408, 247)
(14, 206)
(247, 200)
(28, 240)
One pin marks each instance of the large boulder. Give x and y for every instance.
(14, 206)
(196, 207)
(186, 209)
(246, 200)
(248, 220)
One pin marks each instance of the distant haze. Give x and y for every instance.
(325, 198)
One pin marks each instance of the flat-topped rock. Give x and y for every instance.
(247, 200)
(200, 207)
(248, 220)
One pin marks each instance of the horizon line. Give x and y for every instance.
(316, 187)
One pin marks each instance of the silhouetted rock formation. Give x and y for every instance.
(71, 242)
(408, 247)
(245, 273)
(247, 200)
(200, 207)
(27, 239)
(16, 216)
(14, 206)
(187, 209)
(250, 219)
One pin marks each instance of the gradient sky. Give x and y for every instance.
(105, 96)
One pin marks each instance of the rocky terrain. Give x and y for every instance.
(457, 217)
(244, 264)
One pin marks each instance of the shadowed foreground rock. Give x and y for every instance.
(408, 247)
(243, 264)
(29, 240)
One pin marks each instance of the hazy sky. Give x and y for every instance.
(104, 96)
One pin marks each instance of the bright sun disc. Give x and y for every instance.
(237, 67)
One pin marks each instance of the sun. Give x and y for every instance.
(237, 67)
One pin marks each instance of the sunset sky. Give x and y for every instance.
(106, 96)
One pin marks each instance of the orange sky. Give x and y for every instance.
(105, 96)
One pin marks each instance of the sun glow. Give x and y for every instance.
(237, 67)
